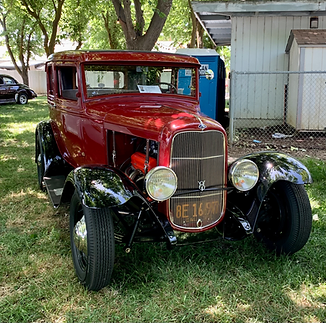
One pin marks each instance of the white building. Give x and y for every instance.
(259, 33)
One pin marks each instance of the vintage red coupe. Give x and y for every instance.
(127, 146)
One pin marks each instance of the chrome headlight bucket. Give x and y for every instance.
(161, 183)
(244, 174)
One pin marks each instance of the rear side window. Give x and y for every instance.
(67, 82)
(50, 79)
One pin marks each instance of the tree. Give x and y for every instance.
(104, 31)
(74, 24)
(47, 15)
(183, 28)
(132, 22)
(21, 37)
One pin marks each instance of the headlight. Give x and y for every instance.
(161, 183)
(244, 174)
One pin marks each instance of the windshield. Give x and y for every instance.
(107, 79)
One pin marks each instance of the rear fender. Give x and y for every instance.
(99, 187)
(275, 166)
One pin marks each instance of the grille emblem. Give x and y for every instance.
(201, 185)
(202, 126)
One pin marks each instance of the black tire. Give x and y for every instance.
(40, 164)
(284, 221)
(93, 268)
(22, 98)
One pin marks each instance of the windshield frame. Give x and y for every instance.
(142, 89)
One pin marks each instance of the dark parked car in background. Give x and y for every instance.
(12, 91)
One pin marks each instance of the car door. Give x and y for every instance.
(3, 89)
(11, 87)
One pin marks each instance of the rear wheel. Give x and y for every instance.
(22, 98)
(284, 221)
(92, 244)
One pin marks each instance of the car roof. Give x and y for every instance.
(124, 56)
(5, 75)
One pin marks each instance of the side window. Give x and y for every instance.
(8, 80)
(50, 79)
(67, 82)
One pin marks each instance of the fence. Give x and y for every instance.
(278, 110)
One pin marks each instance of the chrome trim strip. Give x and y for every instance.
(196, 228)
(197, 158)
(196, 197)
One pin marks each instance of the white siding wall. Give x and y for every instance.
(312, 109)
(258, 45)
(293, 90)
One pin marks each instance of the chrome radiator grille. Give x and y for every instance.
(198, 159)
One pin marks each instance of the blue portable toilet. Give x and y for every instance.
(212, 98)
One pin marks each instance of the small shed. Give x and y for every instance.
(306, 109)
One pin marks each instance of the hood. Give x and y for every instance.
(151, 119)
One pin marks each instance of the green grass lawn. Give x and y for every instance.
(214, 282)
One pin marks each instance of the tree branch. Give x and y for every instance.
(36, 16)
(156, 25)
(122, 20)
(140, 22)
(128, 17)
(12, 57)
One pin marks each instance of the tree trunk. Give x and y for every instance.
(194, 26)
(110, 31)
(23, 71)
(200, 35)
(135, 37)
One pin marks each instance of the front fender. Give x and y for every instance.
(276, 166)
(54, 164)
(99, 187)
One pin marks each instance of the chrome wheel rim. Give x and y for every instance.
(80, 239)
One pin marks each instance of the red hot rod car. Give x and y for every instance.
(127, 146)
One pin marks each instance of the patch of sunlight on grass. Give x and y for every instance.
(17, 221)
(7, 157)
(217, 309)
(314, 203)
(309, 297)
(39, 264)
(9, 143)
(20, 127)
(24, 144)
(23, 194)
(20, 169)
(5, 290)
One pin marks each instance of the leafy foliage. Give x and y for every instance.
(22, 38)
(103, 28)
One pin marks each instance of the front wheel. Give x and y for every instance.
(284, 221)
(92, 244)
(22, 98)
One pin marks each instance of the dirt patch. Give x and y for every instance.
(296, 144)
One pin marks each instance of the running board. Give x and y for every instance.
(54, 186)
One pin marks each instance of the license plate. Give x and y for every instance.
(196, 210)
